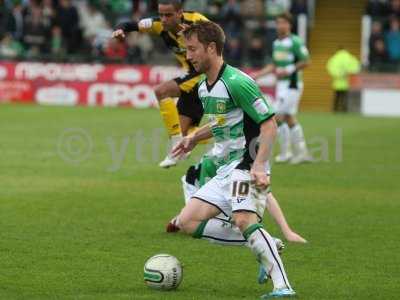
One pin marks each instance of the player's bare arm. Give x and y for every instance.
(268, 131)
(277, 214)
(122, 29)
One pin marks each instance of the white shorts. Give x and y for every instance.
(233, 193)
(287, 99)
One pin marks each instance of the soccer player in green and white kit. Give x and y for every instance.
(244, 128)
(290, 56)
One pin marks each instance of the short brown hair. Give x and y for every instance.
(177, 4)
(207, 32)
(286, 16)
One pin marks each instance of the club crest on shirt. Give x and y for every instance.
(221, 107)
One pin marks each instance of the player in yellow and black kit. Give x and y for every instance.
(171, 20)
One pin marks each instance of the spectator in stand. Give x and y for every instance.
(377, 8)
(394, 8)
(92, 21)
(36, 31)
(252, 9)
(376, 33)
(299, 7)
(378, 57)
(17, 21)
(141, 47)
(10, 48)
(85, 25)
(48, 13)
(340, 66)
(375, 50)
(115, 50)
(392, 40)
(105, 8)
(123, 7)
(214, 9)
(231, 19)
(5, 19)
(276, 7)
(256, 52)
(57, 46)
(253, 15)
(113, 10)
(200, 6)
(152, 7)
(101, 40)
(233, 52)
(67, 19)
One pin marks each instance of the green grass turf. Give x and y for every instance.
(83, 231)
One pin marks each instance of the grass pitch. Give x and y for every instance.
(83, 205)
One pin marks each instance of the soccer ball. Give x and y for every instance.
(163, 272)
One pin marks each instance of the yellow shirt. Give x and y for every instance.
(172, 41)
(340, 66)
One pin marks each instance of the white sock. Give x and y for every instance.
(173, 141)
(284, 139)
(263, 246)
(297, 139)
(221, 232)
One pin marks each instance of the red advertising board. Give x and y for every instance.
(86, 84)
(374, 81)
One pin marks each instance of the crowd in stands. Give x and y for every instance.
(384, 43)
(80, 30)
(47, 29)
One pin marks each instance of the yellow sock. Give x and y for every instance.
(193, 129)
(169, 114)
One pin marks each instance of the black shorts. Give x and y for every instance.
(189, 103)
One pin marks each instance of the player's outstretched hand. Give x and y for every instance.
(186, 145)
(118, 34)
(259, 177)
(294, 237)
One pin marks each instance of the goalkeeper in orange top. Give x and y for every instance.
(178, 118)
